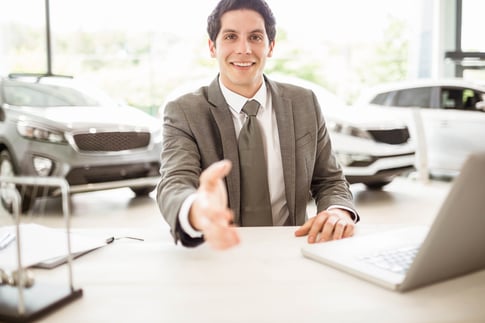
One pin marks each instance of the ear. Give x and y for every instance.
(212, 48)
(271, 47)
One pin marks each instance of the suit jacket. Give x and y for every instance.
(198, 130)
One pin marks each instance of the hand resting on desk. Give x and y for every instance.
(327, 225)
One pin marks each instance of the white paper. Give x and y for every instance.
(40, 243)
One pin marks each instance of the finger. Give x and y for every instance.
(219, 218)
(328, 228)
(210, 177)
(349, 230)
(221, 238)
(317, 226)
(339, 229)
(303, 230)
(224, 218)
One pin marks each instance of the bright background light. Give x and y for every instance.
(157, 45)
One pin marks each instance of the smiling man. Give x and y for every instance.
(248, 151)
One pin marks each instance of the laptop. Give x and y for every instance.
(413, 257)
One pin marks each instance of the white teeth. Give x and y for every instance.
(243, 64)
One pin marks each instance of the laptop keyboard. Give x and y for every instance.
(396, 260)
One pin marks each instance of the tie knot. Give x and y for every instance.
(251, 107)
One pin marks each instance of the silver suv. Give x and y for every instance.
(55, 126)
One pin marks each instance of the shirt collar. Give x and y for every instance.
(237, 101)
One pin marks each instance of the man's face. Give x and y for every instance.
(241, 49)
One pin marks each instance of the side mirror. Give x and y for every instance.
(480, 105)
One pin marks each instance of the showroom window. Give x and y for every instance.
(417, 97)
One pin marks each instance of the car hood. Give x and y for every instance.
(71, 118)
(363, 117)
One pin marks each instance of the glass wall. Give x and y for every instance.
(22, 36)
(472, 38)
(139, 51)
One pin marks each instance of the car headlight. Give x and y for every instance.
(356, 132)
(36, 132)
(354, 160)
(348, 130)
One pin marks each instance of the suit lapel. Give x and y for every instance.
(283, 109)
(284, 117)
(228, 140)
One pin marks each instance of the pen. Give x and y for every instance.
(6, 239)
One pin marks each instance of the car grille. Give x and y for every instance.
(111, 141)
(391, 136)
(103, 174)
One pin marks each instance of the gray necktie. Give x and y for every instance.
(255, 200)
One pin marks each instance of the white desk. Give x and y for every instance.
(265, 279)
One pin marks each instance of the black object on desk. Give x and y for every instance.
(39, 300)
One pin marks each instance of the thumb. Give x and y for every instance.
(215, 172)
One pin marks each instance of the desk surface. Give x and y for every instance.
(265, 279)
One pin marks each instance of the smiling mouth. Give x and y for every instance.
(242, 64)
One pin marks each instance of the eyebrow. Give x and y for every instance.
(235, 31)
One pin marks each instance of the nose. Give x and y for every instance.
(243, 46)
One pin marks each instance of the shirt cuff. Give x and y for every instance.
(184, 217)
(354, 215)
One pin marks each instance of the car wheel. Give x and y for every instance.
(6, 189)
(376, 185)
(142, 191)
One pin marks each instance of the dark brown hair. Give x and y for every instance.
(260, 6)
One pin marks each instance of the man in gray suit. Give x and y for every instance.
(200, 189)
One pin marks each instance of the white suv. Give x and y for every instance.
(452, 112)
(373, 148)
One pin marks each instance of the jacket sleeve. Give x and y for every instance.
(329, 186)
(180, 170)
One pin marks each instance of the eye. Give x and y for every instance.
(256, 38)
(230, 36)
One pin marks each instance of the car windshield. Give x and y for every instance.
(50, 94)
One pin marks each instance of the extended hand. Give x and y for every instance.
(209, 212)
(327, 225)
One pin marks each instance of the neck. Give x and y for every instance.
(246, 90)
